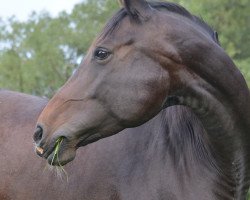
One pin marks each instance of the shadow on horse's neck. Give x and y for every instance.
(191, 148)
(175, 133)
(183, 133)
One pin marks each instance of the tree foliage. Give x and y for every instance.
(39, 55)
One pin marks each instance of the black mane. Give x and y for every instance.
(167, 6)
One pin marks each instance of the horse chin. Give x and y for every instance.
(65, 153)
(63, 157)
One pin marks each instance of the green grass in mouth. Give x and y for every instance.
(56, 155)
(56, 151)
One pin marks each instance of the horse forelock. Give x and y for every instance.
(115, 21)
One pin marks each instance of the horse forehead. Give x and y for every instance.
(161, 28)
(127, 37)
(120, 35)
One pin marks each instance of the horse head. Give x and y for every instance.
(149, 56)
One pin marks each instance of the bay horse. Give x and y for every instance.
(150, 59)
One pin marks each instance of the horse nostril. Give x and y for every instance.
(38, 134)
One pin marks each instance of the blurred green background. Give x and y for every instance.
(37, 56)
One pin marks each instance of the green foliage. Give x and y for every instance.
(33, 61)
(244, 66)
(39, 55)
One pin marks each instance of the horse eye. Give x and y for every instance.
(101, 54)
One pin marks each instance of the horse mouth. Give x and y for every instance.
(54, 147)
(61, 153)
(57, 148)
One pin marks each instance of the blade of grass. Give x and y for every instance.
(57, 148)
(56, 155)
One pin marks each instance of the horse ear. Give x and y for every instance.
(137, 9)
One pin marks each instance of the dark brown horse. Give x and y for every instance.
(149, 57)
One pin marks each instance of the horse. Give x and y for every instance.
(120, 167)
(104, 169)
(149, 59)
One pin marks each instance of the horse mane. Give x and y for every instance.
(189, 145)
(114, 22)
(186, 137)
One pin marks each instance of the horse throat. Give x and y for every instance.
(227, 129)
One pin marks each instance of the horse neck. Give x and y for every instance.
(222, 104)
(220, 97)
